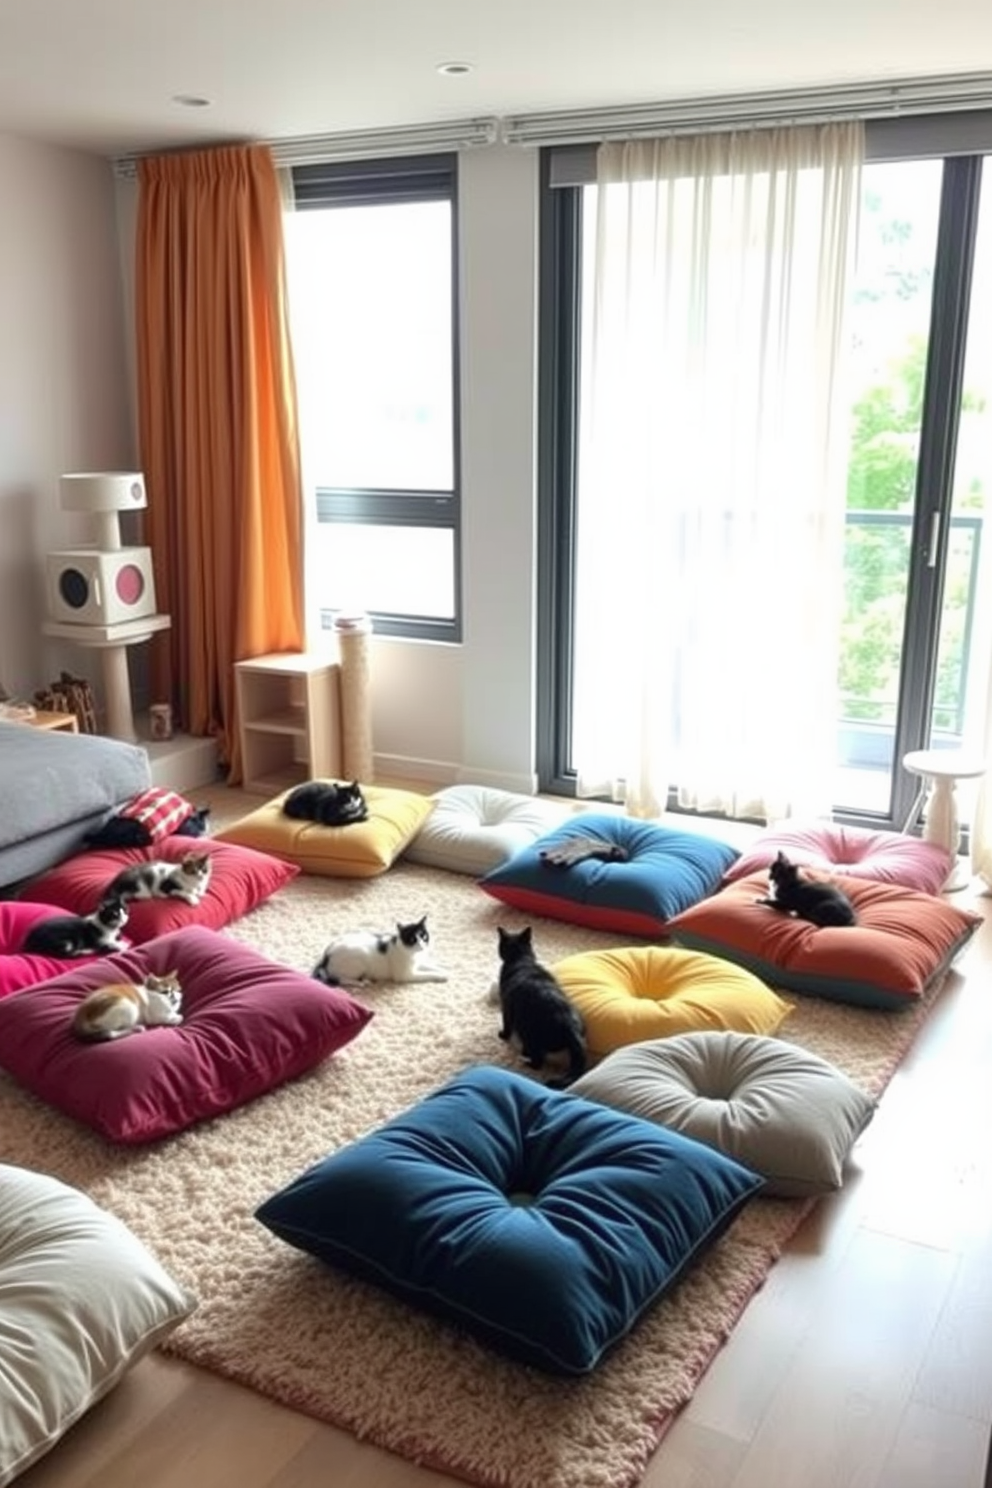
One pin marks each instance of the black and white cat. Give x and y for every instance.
(327, 803)
(121, 1008)
(187, 879)
(808, 899)
(398, 955)
(66, 936)
(536, 1010)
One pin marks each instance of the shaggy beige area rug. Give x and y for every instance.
(341, 1350)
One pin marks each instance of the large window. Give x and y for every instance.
(370, 260)
(913, 625)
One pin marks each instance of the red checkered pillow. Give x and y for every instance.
(159, 811)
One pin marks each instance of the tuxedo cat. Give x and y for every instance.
(122, 1008)
(325, 802)
(398, 955)
(808, 899)
(65, 936)
(536, 1009)
(187, 879)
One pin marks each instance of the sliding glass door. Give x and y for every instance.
(915, 628)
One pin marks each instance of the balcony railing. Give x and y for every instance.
(866, 727)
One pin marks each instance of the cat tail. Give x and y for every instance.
(321, 974)
(578, 1062)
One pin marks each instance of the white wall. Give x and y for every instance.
(467, 712)
(63, 386)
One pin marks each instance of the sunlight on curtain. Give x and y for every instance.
(217, 417)
(711, 469)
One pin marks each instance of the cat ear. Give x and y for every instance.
(525, 935)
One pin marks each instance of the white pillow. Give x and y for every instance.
(81, 1300)
(475, 828)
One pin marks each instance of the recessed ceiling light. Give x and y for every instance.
(190, 100)
(454, 69)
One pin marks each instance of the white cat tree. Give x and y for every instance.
(103, 596)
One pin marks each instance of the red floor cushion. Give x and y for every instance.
(240, 879)
(249, 1024)
(16, 968)
(903, 941)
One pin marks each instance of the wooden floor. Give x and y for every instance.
(864, 1362)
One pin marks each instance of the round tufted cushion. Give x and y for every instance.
(543, 1224)
(777, 1108)
(474, 828)
(856, 852)
(648, 992)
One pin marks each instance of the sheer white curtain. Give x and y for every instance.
(711, 465)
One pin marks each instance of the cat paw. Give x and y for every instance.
(503, 1034)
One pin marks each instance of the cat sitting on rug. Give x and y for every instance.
(398, 955)
(327, 803)
(123, 1008)
(187, 880)
(808, 899)
(66, 936)
(536, 1010)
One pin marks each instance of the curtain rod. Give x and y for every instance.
(890, 99)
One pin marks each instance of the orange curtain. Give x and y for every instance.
(217, 427)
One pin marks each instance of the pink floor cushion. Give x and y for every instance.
(248, 1025)
(18, 970)
(903, 941)
(240, 879)
(856, 852)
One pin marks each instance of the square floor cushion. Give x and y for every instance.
(240, 879)
(854, 852)
(541, 1223)
(655, 873)
(81, 1301)
(902, 943)
(18, 969)
(359, 850)
(248, 1025)
(778, 1109)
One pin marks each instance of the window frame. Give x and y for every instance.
(322, 186)
(564, 170)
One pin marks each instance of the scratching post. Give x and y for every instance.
(353, 633)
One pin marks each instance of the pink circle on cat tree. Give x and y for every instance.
(129, 583)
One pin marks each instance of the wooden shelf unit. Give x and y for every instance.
(289, 706)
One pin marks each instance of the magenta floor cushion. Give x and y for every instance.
(854, 852)
(240, 879)
(249, 1024)
(18, 970)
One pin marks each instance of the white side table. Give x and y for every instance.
(939, 771)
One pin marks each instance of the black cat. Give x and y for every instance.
(328, 803)
(66, 936)
(808, 899)
(536, 1009)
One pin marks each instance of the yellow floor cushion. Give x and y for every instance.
(635, 993)
(359, 850)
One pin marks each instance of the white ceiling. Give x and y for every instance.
(102, 74)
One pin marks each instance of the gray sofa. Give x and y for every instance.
(54, 788)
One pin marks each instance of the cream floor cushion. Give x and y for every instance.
(81, 1300)
(475, 828)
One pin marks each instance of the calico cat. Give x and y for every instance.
(808, 899)
(536, 1009)
(187, 879)
(122, 1008)
(328, 803)
(398, 955)
(65, 936)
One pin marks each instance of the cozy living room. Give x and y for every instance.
(495, 743)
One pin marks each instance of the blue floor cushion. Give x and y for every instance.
(626, 875)
(539, 1222)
